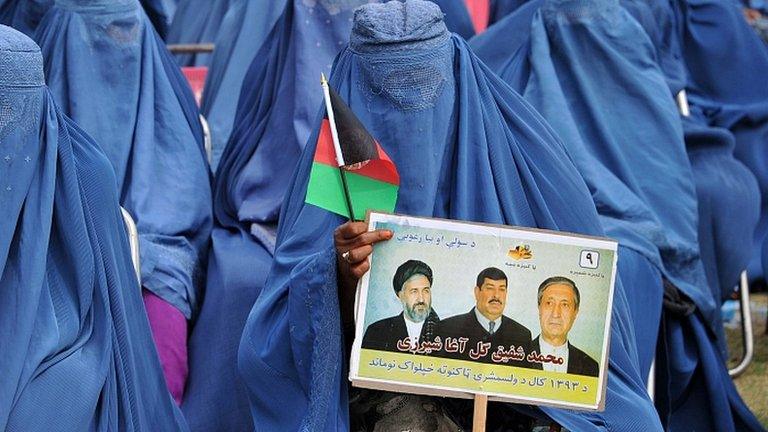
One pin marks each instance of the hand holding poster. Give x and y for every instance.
(458, 309)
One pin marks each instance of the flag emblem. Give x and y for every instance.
(350, 173)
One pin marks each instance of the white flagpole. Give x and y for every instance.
(332, 120)
(336, 145)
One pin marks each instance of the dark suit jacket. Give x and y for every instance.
(579, 362)
(466, 325)
(383, 335)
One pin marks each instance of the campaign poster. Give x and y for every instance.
(456, 309)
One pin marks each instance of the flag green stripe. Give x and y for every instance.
(325, 190)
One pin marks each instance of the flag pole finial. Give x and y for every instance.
(323, 81)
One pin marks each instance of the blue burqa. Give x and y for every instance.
(275, 114)
(467, 147)
(23, 15)
(77, 353)
(197, 21)
(243, 31)
(110, 72)
(160, 13)
(588, 68)
(727, 63)
(590, 64)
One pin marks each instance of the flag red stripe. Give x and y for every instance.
(381, 169)
(325, 153)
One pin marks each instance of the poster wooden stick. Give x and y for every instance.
(481, 410)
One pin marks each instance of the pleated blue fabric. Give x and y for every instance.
(726, 61)
(482, 154)
(243, 31)
(601, 76)
(110, 72)
(275, 114)
(587, 67)
(77, 353)
(160, 13)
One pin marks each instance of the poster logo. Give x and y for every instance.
(520, 252)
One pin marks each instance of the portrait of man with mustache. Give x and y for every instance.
(412, 283)
(559, 300)
(486, 323)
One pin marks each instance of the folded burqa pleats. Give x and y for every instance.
(110, 72)
(467, 147)
(275, 114)
(591, 69)
(726, 62)
(585, 69)
(160, 13)
(197, 22)
(243, 31)
(76, 352)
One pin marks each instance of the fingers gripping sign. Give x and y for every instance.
(354, 244)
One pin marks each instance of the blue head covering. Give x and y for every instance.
(23, 15)
(160, 12)
(727, 63)
(77, 350)
(110, 72)
(278, 102)
(197, 21)
(243, 31)
(410, 82)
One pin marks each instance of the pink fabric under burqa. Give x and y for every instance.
(169, 331)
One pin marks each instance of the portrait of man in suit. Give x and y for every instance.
(559, 300)
(412, 283)
(486, 325)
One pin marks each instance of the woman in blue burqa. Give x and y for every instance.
(591, 70)
(695, 388)
(110, 72)
(243, 31)
(77, 353)
(467, 147)
(726, 64)
(274, 119)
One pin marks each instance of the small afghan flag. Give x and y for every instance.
(351, 173)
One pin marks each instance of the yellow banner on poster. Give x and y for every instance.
(501, 380)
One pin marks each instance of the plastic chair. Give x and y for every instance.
(747, 333)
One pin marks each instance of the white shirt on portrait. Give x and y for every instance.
(556, 351)
(486, 323)
(414, 331)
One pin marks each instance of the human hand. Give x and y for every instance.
(354, 244)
